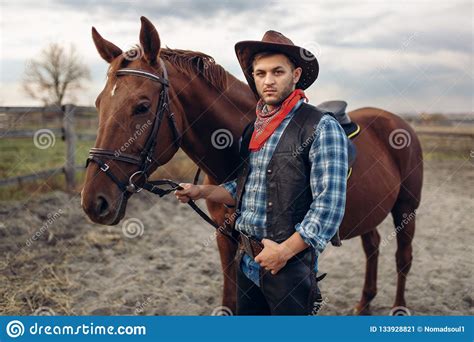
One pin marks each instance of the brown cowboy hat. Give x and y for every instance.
(275, 41)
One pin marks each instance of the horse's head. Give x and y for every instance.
(136, 131)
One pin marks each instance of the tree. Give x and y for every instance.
(55, 75)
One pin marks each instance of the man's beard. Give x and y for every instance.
(284, 94)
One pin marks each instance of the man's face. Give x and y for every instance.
(274, 78)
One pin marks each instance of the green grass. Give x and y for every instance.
(20, 156)
(38, 187)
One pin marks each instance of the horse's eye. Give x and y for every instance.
(141, 108)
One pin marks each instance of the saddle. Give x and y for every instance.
(337, 109)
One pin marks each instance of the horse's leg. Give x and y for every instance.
(404, 219)
(227, 251)
(370, 243)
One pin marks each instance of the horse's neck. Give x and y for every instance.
(210, 116)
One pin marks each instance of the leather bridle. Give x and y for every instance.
(145, 159)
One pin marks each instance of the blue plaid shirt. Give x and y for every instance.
(329, 166)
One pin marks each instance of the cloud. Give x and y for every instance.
(369, 52)
(181, 9)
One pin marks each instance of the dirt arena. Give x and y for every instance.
(54, 261)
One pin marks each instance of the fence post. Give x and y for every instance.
(70, 139)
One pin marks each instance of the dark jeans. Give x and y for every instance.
(292, 291)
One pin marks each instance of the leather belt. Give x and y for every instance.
(253, 247)
(250, 245)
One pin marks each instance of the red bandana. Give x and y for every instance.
(267, 122)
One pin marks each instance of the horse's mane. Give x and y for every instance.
(197, 63)
(191, 63)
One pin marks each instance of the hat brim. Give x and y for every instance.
(303, 58)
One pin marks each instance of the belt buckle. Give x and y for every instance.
(246, 244)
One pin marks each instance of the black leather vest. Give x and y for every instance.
(287, 174)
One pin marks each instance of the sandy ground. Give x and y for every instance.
(171, 267)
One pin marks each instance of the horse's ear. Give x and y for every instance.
(149, 40)
(107, 50)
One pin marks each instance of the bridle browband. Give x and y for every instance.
(145, 159)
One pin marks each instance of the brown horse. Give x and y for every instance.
(386, 178)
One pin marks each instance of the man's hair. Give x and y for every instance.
(263, 54)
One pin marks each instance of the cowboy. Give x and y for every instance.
(290, 191)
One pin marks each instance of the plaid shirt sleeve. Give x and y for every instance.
(328, 180)
(231, 187)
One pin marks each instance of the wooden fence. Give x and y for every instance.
(67, 132)
(10, 127)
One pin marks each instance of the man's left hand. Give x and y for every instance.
(273, 257)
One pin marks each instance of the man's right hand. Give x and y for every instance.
(189, 192)
(210, 192)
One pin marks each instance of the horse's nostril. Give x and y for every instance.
(102, 206)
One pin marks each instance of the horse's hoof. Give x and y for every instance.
(400, 311)
(361, 310)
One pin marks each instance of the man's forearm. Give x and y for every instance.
(293, 245)
(216, 193)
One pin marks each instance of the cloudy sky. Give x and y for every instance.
(405, 56)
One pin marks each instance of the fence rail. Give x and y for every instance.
(445, 134)
(34, 176)
(25, 133)
(26, 110)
